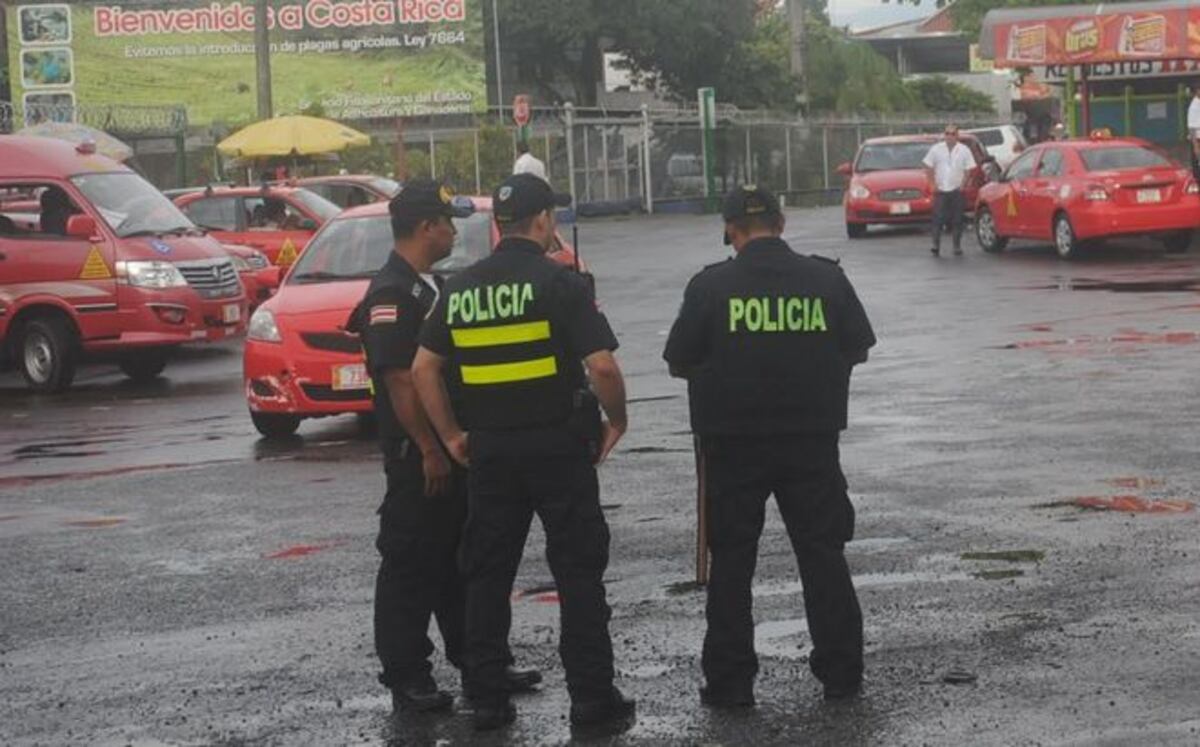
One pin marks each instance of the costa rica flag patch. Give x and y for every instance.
(384, 314)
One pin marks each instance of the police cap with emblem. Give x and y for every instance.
(425, 199)
(748, 201)
(522, 196)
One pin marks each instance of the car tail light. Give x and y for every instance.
(1095, 193)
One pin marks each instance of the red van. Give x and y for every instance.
(94, 259)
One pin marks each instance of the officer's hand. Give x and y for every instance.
(608, 440)
(437, 472)
(457, 445)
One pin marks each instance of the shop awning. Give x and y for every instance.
(1083, 34)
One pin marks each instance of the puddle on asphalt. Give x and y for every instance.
(1163, 285)
(1135, 483)
(864, 581)
(102, 523)
(999, 575)
(1129, 504)
(1129, 338)
(1007, 556)
(681, 588)
(779, 639)
(871, 544)
(300, 551)
(646, 671)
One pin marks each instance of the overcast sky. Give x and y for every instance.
(863, 14)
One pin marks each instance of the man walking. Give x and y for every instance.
(527, 163)
(766, 342)
(422, 516)
(947, 165)
(517, 331)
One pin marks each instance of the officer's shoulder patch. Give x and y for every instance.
(384, 314)
(837, 262)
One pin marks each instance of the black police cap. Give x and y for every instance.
(521, 196)
(748, 201)
(422, 199)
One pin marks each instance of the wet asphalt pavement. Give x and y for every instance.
(169, 578)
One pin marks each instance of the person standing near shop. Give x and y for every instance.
(518, 331)
(422, 516)
(767, 342)
(947, 165)
(527, 163)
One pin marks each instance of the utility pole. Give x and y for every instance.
(499, 63)
(262, 59)
(797, 11)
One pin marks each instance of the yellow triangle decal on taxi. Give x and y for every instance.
(287, 254)
(94, 267)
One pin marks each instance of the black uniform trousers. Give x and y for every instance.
(508, 485)
(419, 538)
(804, 474)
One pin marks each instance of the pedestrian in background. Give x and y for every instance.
(518, 331)
(1193, 125)
(767, 342)
(527, 163)
(423, 513)
(947, 165)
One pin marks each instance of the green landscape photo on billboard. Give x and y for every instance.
(352, 59)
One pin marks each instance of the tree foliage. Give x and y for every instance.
(939, 94)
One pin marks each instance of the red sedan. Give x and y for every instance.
(299, 360)
(278, 221)
(888, 184)
(1076, 191)
(351, 190)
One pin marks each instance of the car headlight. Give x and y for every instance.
(859, 192)
(240, 264)
(151, 274)
(263, 327)
(257, 261)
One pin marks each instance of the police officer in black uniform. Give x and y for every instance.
(423, 514)
(515, 333)
(767, 342)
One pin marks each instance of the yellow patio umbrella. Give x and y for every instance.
(291, 136)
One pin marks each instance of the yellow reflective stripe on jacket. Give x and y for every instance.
(507, 334)
(505, 373)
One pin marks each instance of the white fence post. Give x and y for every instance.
(649, 187)
(570, 116)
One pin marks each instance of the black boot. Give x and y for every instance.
(522, 679)
(490, 716)
(421, 696)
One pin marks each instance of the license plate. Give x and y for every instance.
(901, 208)
(231, 313)
(350, 377)
(1145, 196)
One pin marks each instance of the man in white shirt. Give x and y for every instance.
(947, 165)
(527, 163)
(1193, 124)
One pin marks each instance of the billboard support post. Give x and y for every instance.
(262, 59)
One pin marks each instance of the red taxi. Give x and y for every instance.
(299, 360)
(888, 184)
(259, 278)
(95, 260)
(278, 221)
(1072, 192)
(351, 190)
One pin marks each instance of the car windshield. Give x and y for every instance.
(316, 204)
(989, 138)
(131, 205)
(357, 248)
(1120, 158)
(892, 156)
(385, 186)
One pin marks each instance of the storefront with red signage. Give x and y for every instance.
(1128, 67)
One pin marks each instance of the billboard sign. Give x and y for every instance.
(1170, 34)
(350, 59)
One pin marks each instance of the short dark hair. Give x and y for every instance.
(522, 146)
(520, 228)
(404, 227)
(752, 223)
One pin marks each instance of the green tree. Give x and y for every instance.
(939, 94)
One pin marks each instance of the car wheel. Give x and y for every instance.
(989, 238)
(144, 365)
(48, 354)
(856, 230)
(274, 425)
(1065, 242)
(1178, 242)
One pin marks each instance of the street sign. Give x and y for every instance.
(522, 110)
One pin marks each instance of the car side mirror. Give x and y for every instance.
(81, 227)
(1018, 148)
(845, 169)
(308, 224)
(270, 277)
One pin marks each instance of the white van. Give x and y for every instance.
(1004, 142)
